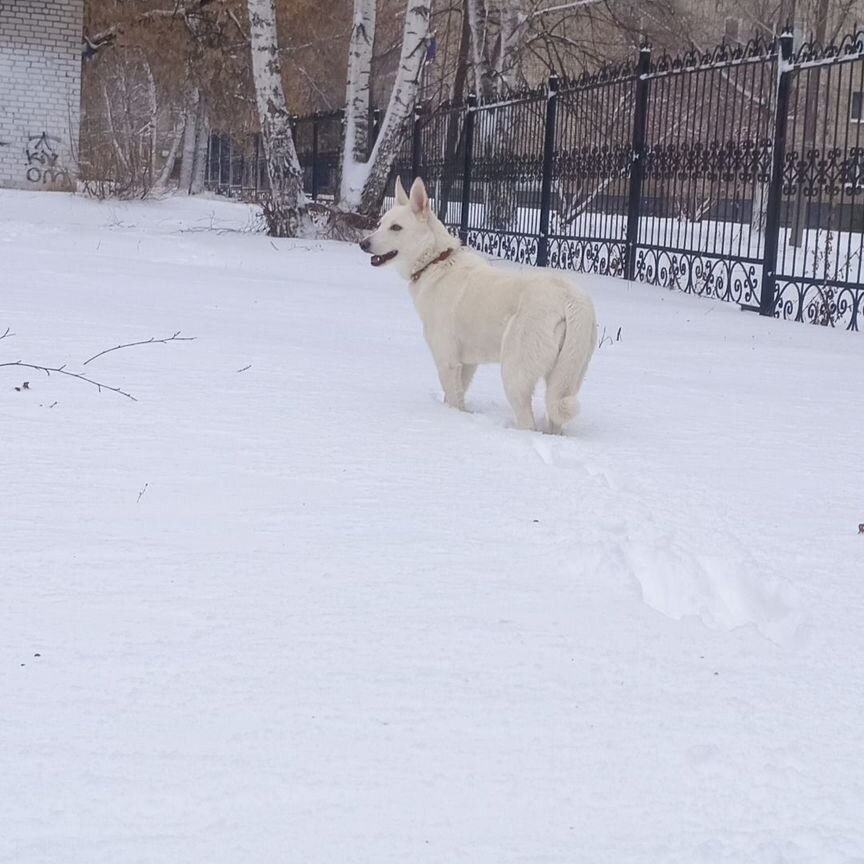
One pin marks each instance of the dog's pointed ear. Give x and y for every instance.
(401, 194)
(419, 198)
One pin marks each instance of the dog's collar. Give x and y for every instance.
(442, 257)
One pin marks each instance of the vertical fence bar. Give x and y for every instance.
(315, 177)
(470, 113)
(775, 190)
(230, 168)
(210, 149)
(376, 126)
(640, 119)
(257, 184)
(546, 182)
(416, 142)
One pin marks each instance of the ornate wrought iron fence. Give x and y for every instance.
(821, 208)
(735, 173)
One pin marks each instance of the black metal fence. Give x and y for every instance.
(736, 174)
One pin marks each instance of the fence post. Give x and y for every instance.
(775, 190)
(416, 143)
(315, 117)
(546, 183)
(640, 122)
(470, 111)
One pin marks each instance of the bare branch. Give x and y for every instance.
(238, 25)
(7, 334)
(62, 370)
(564, 7)
(151, 341)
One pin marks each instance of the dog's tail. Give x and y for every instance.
(565, 379)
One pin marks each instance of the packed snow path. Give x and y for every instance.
(289, 607)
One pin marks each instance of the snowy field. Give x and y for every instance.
(286, 606)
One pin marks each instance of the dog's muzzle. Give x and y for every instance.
(377, 260)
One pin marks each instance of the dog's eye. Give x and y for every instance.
(395, 227)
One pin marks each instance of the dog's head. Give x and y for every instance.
(406, 230)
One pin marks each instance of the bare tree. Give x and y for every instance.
(285, 212)
(363, 182)
(358, 90)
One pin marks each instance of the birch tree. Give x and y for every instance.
(497, 31)
(357, 92)
(286, 210)
(363, 182)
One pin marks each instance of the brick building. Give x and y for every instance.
(40, 92)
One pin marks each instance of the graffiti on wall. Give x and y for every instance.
(42, 159)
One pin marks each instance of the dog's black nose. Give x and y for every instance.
(364, 244)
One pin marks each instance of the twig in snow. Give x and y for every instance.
(604, 338)
(62, 370)
(245, 368)
(151, 341)
(7, 334)
(142, 492)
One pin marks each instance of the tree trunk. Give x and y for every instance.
(190, 137)
(478, 43)
(286, 210)
(811, 114)
(153, 104)
(496, 41)
(399, 110)
(355, 147)
(202, 151)
(454, 128)
(760, 203)
(171, 160)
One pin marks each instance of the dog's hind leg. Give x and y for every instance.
(519, 388)
(565, 378)
(467, 376)
(520, 396)
(523, 363)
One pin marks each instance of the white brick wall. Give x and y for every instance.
(40, 92)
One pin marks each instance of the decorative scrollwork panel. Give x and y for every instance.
(606, 257)
(521, 248)
(730, 279)
(826, 304)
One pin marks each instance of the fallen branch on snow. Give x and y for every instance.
(62, 370)
(604, 338)
(151, 341)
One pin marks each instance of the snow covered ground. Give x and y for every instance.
(303, 612)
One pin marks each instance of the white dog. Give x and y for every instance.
(536, 325)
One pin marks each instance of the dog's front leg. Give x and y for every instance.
(445, 353)
(451, 381)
